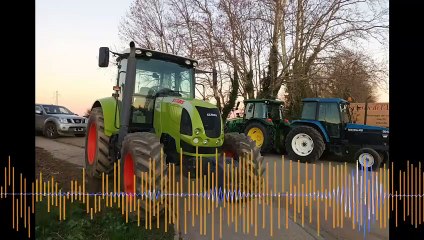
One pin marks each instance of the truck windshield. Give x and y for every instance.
(153, 75)
(53, 109)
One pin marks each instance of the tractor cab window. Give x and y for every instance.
(309, 110)
(260, 110)
(249, 110)
(344, 109)
(157, 75)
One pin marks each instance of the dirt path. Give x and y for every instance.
(56, 168)
(63, 151)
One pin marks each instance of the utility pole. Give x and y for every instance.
(57, 97)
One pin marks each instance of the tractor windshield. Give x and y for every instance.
(153, 75)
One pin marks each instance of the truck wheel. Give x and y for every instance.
(368, 158)
(50, 130)
(262, 135)
(139, 150)
(97, 160)
(237, 146)
(304, 143)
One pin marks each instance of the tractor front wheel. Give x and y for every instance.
(368, 159)
(304, 143)
(141, 152)
(239, 146)
(97, 160)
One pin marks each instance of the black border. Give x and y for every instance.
(18, 35)
(406, 65)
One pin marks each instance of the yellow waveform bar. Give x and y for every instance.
(349, 197)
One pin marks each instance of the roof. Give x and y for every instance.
(48, 104)
(273, 101)
(336, 100)
(140, 52)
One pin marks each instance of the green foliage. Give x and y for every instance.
(108, 224)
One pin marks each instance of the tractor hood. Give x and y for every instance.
(361, 127)
(368, 135)
(196, 118)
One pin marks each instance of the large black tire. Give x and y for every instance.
(50, 130)
(371, 157)
(97, 159)
(242, 146)
(137, 151)
(309, 134)
(268, 133)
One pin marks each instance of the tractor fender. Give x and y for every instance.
(111, 120)
(315, 124)
(260, 120)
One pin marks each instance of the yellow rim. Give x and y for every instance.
(256, 135)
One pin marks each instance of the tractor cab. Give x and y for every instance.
(263, 121)
(325, 124)
(331, 113)
(157, 74)
(266, 109)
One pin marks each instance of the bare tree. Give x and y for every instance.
(264, 45)
(348, 74)
(312, 29)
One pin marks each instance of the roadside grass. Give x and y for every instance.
(108, 224)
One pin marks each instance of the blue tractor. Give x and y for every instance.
(326, 124)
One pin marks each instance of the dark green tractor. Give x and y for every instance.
(263, 122)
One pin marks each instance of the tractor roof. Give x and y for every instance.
(326, 100)
(141, 52)
(272, 101)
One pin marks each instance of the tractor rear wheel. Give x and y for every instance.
(304, 143)
(262, 135)
(244, 150)
(141, 152)
(97, 160)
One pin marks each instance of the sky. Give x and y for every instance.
(68, 37)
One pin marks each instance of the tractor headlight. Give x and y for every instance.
(197, 131)
(149, 54)
(205, 141)
(187, 62)
(63, 120)
(194, 64)
(218, 141)
(196, 140)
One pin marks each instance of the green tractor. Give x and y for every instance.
(153, 108)
(263, 122)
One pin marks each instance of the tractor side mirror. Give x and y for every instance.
(238, 104)
(103, 57)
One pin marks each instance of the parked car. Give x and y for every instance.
(54, 120)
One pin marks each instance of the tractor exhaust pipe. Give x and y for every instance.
(127, 95)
